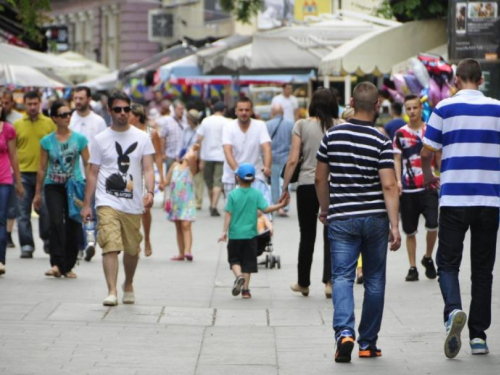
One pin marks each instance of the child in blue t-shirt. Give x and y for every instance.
(241, 227)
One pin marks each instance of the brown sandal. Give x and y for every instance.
(70, 275)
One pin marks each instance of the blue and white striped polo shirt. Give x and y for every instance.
(467, 128)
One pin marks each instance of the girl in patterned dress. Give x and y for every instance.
(182, 210)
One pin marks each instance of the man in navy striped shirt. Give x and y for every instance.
(359, 197)
(466, 128)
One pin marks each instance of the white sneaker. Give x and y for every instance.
(128, 297)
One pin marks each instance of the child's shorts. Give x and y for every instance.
(243, 253)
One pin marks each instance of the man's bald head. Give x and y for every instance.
(276, 110)
(365, 97)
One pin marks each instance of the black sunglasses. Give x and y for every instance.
(119, 109)
(64, 115)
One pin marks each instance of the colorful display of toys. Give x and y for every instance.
(430, 77)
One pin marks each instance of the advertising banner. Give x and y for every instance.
(305, 8)
(474, 28)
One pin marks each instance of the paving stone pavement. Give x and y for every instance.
(185, 320)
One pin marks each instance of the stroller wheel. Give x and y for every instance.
(278, 261)
(267, 261)
(273, 261)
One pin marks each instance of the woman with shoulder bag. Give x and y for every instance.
(60, 162)
(306, 138)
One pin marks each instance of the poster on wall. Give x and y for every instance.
(474, 28)
(304, 8)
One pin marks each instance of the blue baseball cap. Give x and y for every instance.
(246, 171)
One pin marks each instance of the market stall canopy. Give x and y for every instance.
(304, 46)
(377, 52)
(154, 62)
(12, 55)
(187, 66)
(25, 76)
(213, 56)
(238, 58)
(105, 82)
(245, 79)
(90, 69)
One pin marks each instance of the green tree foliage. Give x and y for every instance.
(243, 10)
(31, 14)
(411, 10)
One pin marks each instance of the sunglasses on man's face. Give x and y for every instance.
(64, 115)
(120, 109)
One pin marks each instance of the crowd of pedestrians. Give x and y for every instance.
(357, 179)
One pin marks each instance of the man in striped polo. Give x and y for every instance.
(466, 128)
(359, 197)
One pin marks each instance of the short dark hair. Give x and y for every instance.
(31, 95)
(397, 108)
(286, 84)
(117, 95)
(83, 88)
(411, 97)
(214, 99)
(336, 93)
(3, 116)
(55, 107)
(365, 96)
(325, 107)
(6, 92)
(469, 70)
(244, 99)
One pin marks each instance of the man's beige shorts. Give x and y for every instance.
(118, 231)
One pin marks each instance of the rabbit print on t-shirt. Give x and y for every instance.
(121, 184)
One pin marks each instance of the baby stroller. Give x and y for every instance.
(264, 244)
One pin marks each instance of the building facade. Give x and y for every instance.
(112, 32)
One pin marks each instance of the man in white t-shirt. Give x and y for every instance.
(288, 102)
(88, 123)
(212, 154)
(243, 141)
(119, 158)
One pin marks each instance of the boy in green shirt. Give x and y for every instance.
(241, 222)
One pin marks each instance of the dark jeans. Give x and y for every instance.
(63, 231)
(454, 222)
(5, 191)
(24, 205)
(307, 210)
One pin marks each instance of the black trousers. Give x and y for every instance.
(308, 209)
(454, 222)
(63, 235)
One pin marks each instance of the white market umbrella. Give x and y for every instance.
(18, 56)
(26, 76)
(90, 69)
(105, 82)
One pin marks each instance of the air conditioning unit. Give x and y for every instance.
(160, 25)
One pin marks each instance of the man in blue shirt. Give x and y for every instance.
(397, 121)
(280, 131)
(466, 127)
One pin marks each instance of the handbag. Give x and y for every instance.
(75, 190)
(296, 172)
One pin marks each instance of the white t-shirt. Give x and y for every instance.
(246, 147)
(289, 106)
(89, 126)
(211, 131)
(119, 155)
(13, 116)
